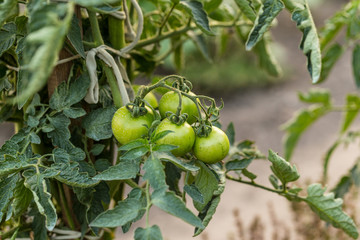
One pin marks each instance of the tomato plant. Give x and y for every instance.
(83, 136)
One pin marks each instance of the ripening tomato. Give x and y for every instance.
(150, 97)
(213, 148)
(182, 136)
(127, 128)
(170, 101)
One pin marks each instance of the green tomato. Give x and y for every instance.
(150, 97)
(213, 148)
(170, 101)
(127, 128)
(183, 136)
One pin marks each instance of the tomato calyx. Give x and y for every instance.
(137, 107)
(203, 129)
(176, 119)
(183, 85)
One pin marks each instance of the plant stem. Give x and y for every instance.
(180, 31)
(148, 205)
(113, 85)
(65, 206)
(281, 192)
(96, 33)
(166, 18)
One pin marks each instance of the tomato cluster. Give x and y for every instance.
(209, 148)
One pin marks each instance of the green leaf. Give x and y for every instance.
(6, 8)
(124, 212)
(173, 205)
(248, 174)
(282, 169)
(97, 123)
(36, 183)
(316, 95)
(329, 209)
(353, 106)
(60, 133)
(22, 199)
(230, 132)
(207, 213)
(187, 166)
(238, 164)
(133, 144)
(342, 187)
(303, 119)
(160, 135)
(267, 60)
(7, 37)
(154, 173)
(135, 153)
(334, 24)
(200, 42)
(91, 3)
(13, 164)
(74, 36)
(48, 28)
(247, 9)
(71, 175)
(268, 12)
(125, 169)
(329, 59)
(356, 64)
(194, 193)
(69, 93)
(310, 44)
(207, 183)
(7, 187)
(195, 9)
(164, 148)
(274, 181)
(150, 233)
(39, 227)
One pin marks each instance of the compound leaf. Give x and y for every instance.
(36, 183)
(173, 205)
(353, 105)
(195, 9)
(69, 93)
(329, 209)
(48, 29)
(123, 213)
(282, 169)
(97, 123)
(7, 187)
(151, 233)
(187, 166)
(310, 43)
(154, 173)
(125, 169)
(206, 182)
(268, 12)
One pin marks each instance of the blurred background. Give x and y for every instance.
(257, 105)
